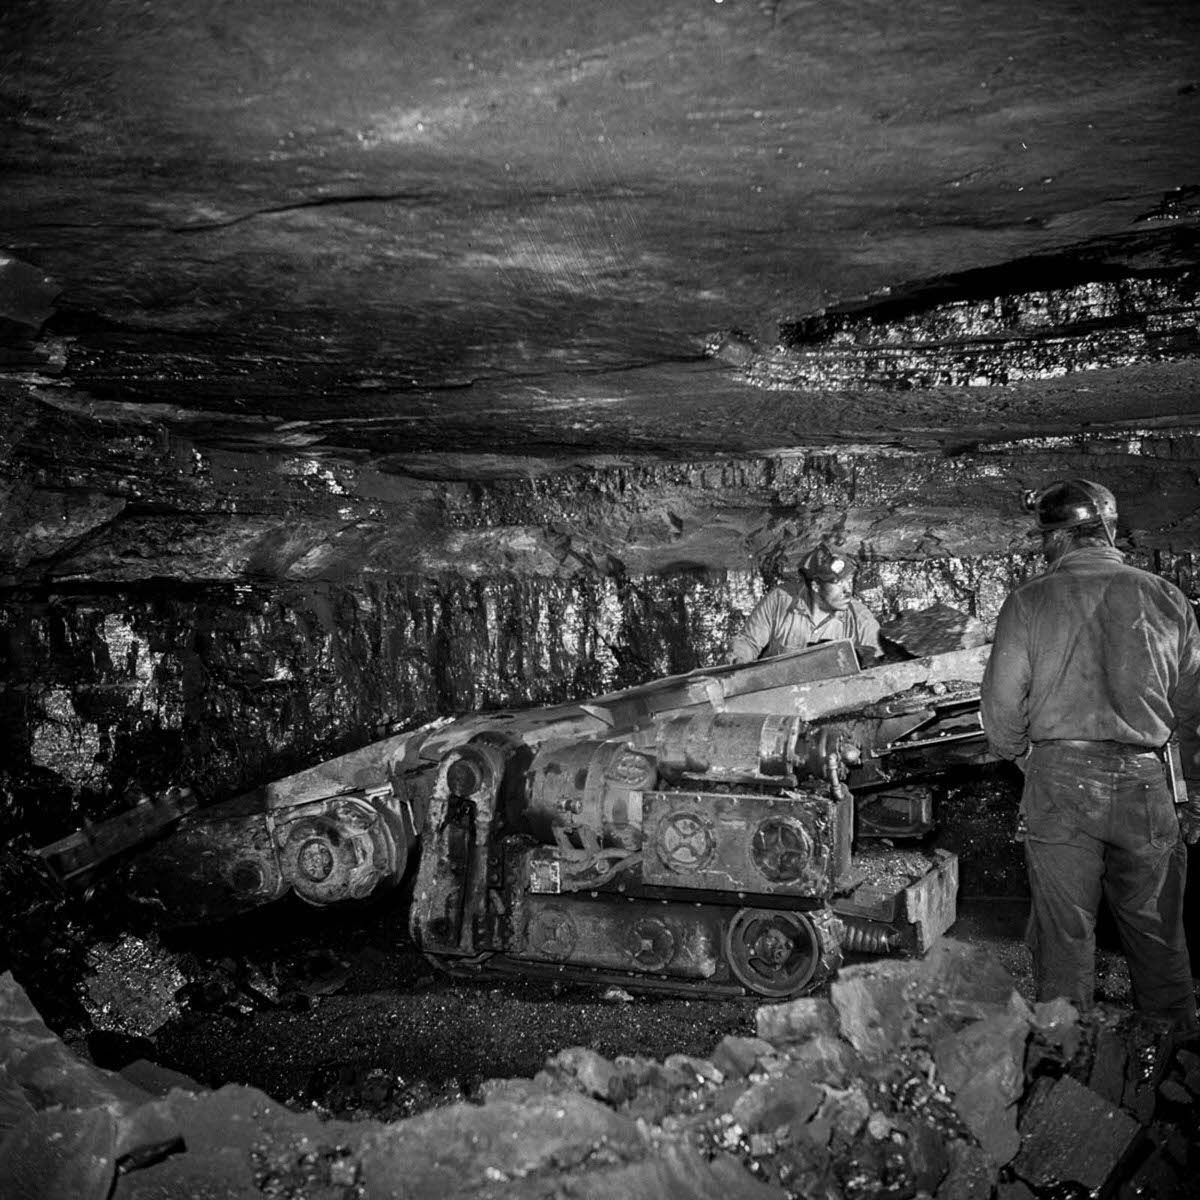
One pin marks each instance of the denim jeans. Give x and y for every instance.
(1101, 821)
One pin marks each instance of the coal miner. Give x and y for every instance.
(1094, 668)
(819, 608)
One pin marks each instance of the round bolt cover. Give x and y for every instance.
(651, 944)
(782, 849)
(685, 842)
(552, 933)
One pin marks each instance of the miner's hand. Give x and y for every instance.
(1189, 819)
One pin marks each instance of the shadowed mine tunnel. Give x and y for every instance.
(377, 364)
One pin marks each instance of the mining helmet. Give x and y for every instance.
(822, 565)
(1069, 503)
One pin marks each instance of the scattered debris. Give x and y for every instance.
(132, 986)
(616, 995)
(924, 1078)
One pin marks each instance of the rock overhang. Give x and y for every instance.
(408, 228)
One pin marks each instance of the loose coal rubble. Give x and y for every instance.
(935, 630)
(916, 1080)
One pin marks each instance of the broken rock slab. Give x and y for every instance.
(675, 1173)
(37, 1071)
(843, 1115)
(884, 1005)
(1071, 1135)
(157, 1080)
(1124, 1057)
(935, 630)
(896, 1157)
(796, 1020)
(1055, 1036)
(982, 1066)
(639, 1087)
(736, 1057)
(237, 1142)
(809, 1032)
(971, 1174)
(590, 1072)
(445, 1153)
(787, 1100)
(630, 1127)
(67, 1127)
(62, 1154)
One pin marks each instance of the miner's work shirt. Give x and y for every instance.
(785, 620)
(1094, 650)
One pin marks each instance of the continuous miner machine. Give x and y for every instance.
(729, 831)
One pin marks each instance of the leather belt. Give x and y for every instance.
(1113, 748)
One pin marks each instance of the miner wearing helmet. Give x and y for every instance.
(819, 609)
(1095, 668)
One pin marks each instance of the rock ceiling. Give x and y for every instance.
(428, 239)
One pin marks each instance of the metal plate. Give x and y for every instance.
(618, 934)
(740, 843)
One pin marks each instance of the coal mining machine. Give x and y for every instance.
(734, 830)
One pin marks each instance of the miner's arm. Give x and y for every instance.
(1185, 703)
(866, 635)
(752, 638)
(1004, 693)
(1185, 699)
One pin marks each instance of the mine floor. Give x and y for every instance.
(353, 1022)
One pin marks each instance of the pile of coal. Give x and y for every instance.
(937, 629)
